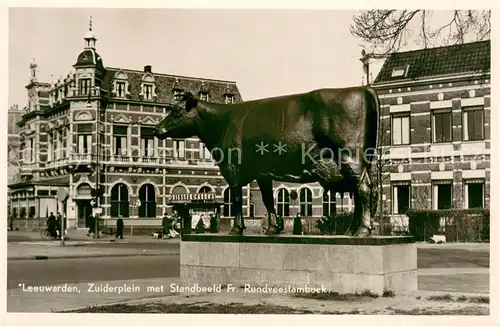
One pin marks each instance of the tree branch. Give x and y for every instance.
(387, 31)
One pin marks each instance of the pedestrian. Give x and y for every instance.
(171, 229)
(119, 227)
(52, 225)
(91, 225)
(165, 222)
(58, 225)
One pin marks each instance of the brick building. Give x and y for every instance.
(61, 134)
(435, 127)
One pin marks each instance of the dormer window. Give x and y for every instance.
(120, 85)
(148, 92)
(120, 89)
(148, 87)
(400, 71)
(228, 98)
(203, 96)
(178, 94)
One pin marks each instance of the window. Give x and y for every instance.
(148, 91)
(204, 152)
(84, 143)
(228, 99)
(401, 130)
(329, 204)
(84, 139)
(204, 96)
(401, 198)
(84, 86)
(147, 197)
(283, 203)
(228, 208)
(205, 189)
(65, 141)
(147, 142)
(32, 150)
(119, 200)
(179, 149)
(399, 71)
(31, 212)
(305, 199)
(442, 195)
(178, 95)
(120, 89)
(120, 136)
(473, 124)
(50, 147)
(474, 194)
(442, 126)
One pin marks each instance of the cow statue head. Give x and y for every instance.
(180, 121)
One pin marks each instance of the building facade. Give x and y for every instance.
(95, 126)
(434, 131)
(435, 128)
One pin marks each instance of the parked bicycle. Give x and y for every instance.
(45, 234)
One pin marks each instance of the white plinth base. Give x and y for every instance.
(339, 264)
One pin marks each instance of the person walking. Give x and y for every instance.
(119, 227)
(165, 223)
(91, 225)
(52, 225)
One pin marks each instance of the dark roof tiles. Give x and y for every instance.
(166, 83)
(455, 59)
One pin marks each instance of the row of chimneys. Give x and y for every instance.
(14, 107)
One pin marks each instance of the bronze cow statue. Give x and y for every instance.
(327, 136)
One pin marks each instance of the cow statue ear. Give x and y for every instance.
(191, 101)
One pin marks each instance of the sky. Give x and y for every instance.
(267, 52)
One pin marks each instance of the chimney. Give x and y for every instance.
(147, 69)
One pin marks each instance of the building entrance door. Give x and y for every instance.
(84, 210)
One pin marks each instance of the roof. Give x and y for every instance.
(165, 84)
(89, 57)
(472, 57)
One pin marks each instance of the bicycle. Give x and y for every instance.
(45, 234)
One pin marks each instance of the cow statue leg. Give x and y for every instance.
(239, 224)
(357, 173)
(266, 190)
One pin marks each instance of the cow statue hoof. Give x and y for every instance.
(236, 231)
(272, 230)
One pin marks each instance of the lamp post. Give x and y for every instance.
(97, 193)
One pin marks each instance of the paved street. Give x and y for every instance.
(454, 268)
(52, 272)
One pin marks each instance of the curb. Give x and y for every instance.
(44, 257)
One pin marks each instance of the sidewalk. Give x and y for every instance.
(155, 293)
(75, 235)
(52, 250)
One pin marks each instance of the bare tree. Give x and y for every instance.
(387, 31)
(380, 169)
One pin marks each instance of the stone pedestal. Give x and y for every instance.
(338, 263)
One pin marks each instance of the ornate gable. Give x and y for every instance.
(121, 118)
(148, 120)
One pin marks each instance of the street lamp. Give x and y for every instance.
(98, 191)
